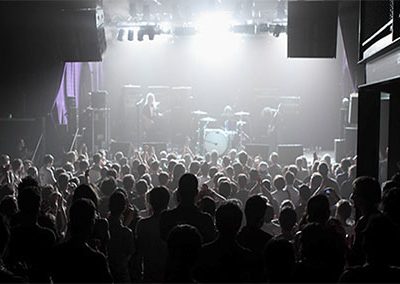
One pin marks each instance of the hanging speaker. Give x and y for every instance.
(312, 28)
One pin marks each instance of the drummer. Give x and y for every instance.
(229, 119)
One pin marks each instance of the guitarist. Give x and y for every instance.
(150, 116)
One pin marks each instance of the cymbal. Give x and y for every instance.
(199, 112)
(241, 123)
(242, 113)
(208, 119)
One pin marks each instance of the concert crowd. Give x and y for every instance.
(179, 217)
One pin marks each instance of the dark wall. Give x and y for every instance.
(31, 67)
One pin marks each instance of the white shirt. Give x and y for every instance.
(46, 176)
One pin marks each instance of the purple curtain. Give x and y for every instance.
(69, 87)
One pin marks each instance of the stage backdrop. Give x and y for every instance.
(247, 72)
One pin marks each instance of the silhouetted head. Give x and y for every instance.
(255, 210)
(226, 161)
(225, 189)
(323, 169)
(228, 219)
(279, 182)
(274, 158)
(108, 186)
(299, 162)
(179, 170)
(29, 200)
(318, 209)
(97, 158)
(16, 165)
(184, 244)
(293, 169)
(33, 172)
(128, 182)
(48, 160)
(305, 193)
(117, 203)
(141, 169)
(194, 167)
(287, 219)
(343, 209)
(158, 198)
(208, 205)
(289, 178)
(366, 194)
(254, 175)
(243, 157)
(82, 218)
(390, 204)
(345, 164)
(214, 157)
(85, 191)
(163, 178)
(381, 240)
(4, 160)
(8, 206)
(187, 189)
(62, 181)
(204, 168)
(141, 187)
(316, 181)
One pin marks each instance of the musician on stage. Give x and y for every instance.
(229, 119)
(150, 116)
(270, 118)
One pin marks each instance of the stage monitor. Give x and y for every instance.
(312, 29)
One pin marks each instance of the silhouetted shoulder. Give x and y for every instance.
(79, 263)
(371, 274)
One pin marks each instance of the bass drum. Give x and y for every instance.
(216, 139)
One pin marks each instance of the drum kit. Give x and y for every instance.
(221, 140)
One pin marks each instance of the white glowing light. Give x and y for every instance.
(215, 23)
(165, 27)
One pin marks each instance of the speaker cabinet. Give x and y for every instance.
(158, 146)
(119, 146)
(82, 34)
(312, 28)
(258, 149)
(340, 149)
(289, 152)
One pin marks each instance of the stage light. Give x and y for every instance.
(151, 33)
(140, 35)
(277, 30)
(262, 28)
(184, 31)
(120, 36)
(215, 23)
(244, 29)
(130, 35)
(165, 28)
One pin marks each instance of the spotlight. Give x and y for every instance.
(121, 34)
(151, 33)
(140, 35)
(277, 30)
(184, 31)
(130, 35)
(262, 28)
(244, 29)
(215, 23)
